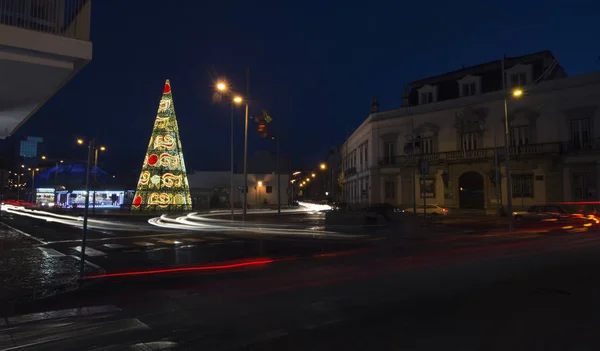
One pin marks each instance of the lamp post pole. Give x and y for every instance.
(33, 186)
(86, 208)
(94, 183)
(18, 187)
(509, 206)
(231, 172)
(278, 180)
(245, 165)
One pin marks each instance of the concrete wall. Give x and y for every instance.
(204, 182)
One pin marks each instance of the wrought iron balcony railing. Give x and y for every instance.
(516, 152)
(70, 18)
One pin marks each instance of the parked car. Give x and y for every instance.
(433, 210)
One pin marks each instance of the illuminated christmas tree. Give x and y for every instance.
(163, 183)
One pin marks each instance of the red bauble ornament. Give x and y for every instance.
(137, 201)
(167, 88)
(152, 159)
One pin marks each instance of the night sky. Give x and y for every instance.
(314, 65)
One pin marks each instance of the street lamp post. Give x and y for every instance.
(516, 93)
(278, 177)
(236, 100)
(223, 87)
(101, 148)
(33, 170)
(87, 204)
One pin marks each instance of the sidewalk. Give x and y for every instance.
(29, 271)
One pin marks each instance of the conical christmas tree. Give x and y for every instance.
(163, 183)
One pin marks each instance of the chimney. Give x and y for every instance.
(374, 105)
(405, 101)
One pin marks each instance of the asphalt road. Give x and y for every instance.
(514, 292)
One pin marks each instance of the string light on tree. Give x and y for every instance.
(163, 183)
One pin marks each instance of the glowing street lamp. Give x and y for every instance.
(238, 99)
(221, 86)
(323, 166)
(43, 157)
(313, 175)
(260, 183)
(517, 92)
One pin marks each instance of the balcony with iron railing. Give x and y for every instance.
(68, 18)
(516, 152)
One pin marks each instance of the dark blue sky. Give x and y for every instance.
(314, 65)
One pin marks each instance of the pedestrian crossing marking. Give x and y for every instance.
(143, 243)
(89, 251)
(114, 246)
(48, 252)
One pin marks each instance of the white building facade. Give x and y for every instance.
(262, 188)
(554, 144)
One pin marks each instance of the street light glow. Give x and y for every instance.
(313, 175)
(80, 141)
(238, 99)
(61, 161)
(43, 157)
(222, 86)
(259, 183)
(517, 92)
(102, 148)
(296, 173)
(308, 179)
(323, 166)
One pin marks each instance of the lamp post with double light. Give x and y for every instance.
(224, 88)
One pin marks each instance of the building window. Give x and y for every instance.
(427, 97)
(269, 189)
(584, 186)
(389, 153)
(468, 89)
(518, 80)
(519, 136)
(580, 133)
(361, 157)
(390, 189)
(522, 185)
(469, 141)
(426, 145)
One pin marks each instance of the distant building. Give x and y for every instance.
(453, 118)
(212, 189)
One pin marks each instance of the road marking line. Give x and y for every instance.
(194, 240)
(91, 252)
(143, 243)
(215, 238)
(26, 234)
(88, 262)
(170, 242)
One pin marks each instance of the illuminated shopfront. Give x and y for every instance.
(44, 196)
(103, 198)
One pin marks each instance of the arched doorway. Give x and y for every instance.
(470, 190)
